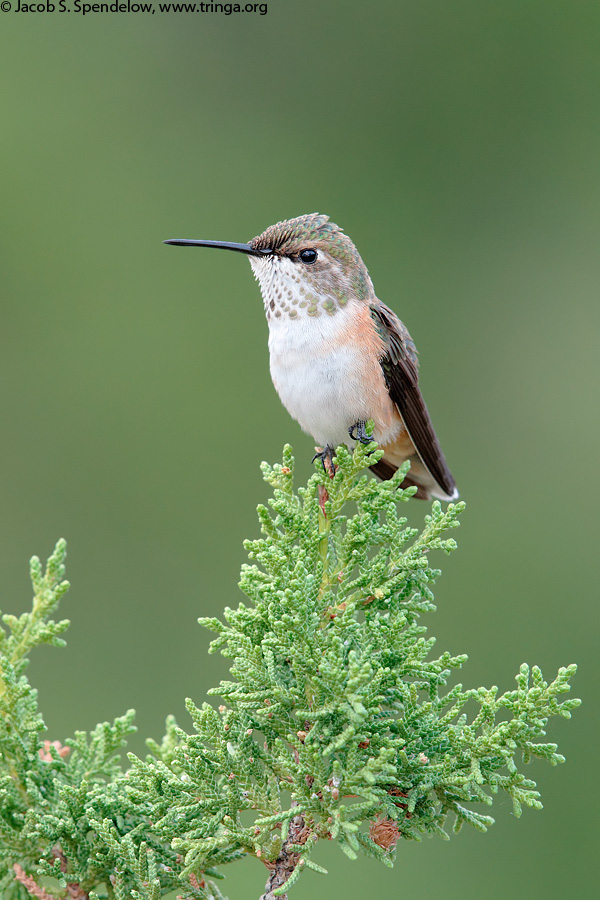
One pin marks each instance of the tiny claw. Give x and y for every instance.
(326, 457)
(361, 434)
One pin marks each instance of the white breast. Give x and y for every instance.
(326, 375)
(318, 378)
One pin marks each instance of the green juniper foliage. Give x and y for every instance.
(337, 722)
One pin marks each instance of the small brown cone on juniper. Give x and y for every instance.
(384, 832)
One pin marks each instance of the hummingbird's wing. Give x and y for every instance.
(401, 371)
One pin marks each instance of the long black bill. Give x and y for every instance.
(224, 245)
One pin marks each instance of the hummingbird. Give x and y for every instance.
(339, 357)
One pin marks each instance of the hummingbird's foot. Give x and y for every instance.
(326, 457)
(361, 434)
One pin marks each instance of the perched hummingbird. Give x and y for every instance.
(339, 356)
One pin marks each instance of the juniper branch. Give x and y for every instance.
(337, 722)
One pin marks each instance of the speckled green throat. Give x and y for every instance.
(290, 287)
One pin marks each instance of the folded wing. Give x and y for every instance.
(401, 372)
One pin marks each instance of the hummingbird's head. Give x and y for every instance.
(308, 266)
(305, 267)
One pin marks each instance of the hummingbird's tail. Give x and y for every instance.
(419, 477)
(385, 470)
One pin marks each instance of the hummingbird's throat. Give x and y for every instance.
(289, 292)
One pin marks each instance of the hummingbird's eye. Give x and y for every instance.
(308, 256)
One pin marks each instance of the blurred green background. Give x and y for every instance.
(458, 143)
